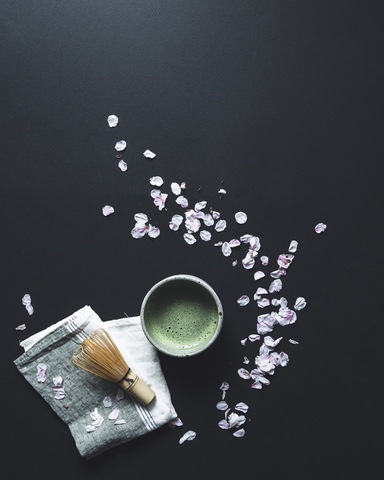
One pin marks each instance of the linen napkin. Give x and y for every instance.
(85, 391)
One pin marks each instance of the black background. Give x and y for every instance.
(281, 100)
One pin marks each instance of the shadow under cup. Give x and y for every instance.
(181, 315)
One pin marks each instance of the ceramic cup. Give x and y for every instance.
(181, 315)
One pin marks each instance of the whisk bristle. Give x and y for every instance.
(99, 355)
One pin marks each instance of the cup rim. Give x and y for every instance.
(174, 352)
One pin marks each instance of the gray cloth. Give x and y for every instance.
(84, 391)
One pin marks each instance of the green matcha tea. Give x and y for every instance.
(182, 314)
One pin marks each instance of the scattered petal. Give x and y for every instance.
(190, 435)
(176, 188)
(107, 210)
(139, 230)
(107, 402)
(259, 274)
(112, 120)
(253, 337)
(215, 215)
(293, 246)
(275, 286)
(41, 370)
(270, 342)
(285, 259)
(241, 217)
(141, 218)
(159, 198)
(220, 225)
(243, 341)
(189, 238)
(156, 181)
(26, 301)
(222, 191)
(175, 423)
(246, 361)
(246, 238)
(205, 235)
(200, 206)
(261, 291)
(208, 220)
(114, 414)
(300, 303)
(248, 262)
(153, 232)
(226, 249)
(239, 433)
(234, 243)
(293, 341)
(223, 424)
(89, 428)
(119, 395)
(120, 422)
(192, 224)
(224, 386)
(149, 154)
(264, 302)
(234, 263)
(175, 222)
(278, 273)
(284, 359)
(120, 146)
(242, 301)
(264, 260)
(222, 405)
(242, 407)
(21, 327)
(235, 420)
(182, 201)
(275, 302)
(243, 373)
(320, 227)
(122, 166)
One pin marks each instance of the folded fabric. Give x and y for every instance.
(84, 391)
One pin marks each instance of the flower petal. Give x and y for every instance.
(175, 423)
(176, 188)
(264, 260)
(239, 433)
(285, 260)
(215, 215)
(253, 337)
(293, 341)
(243, 373)
(114, 414)
(275, 286)
(242, 407)
(241, 217)
(112, 120)
(320, 227)
(107, 210)
(119, 394)
(120, 422)
(242, 301)
(264, 302)
(123, 166)
(189, 238)
(156, 181)
(190, 435)
(293, 246)
(259, 274)
(153, 232)
(200, 206)
(41, 371)
(226, 249)
(149, 154)
(222, 405)
(182, 201)
(175, 222)
(121, 145)
(21, 327)
(141, 218)
(220, 225)
(205, 235)
(300, 303)
(107, 402)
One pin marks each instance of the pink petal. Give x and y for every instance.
(114, 414)
(41, 370)
(278, 273)
(139, 230)
(253, 337)
(153, 232)
(248, 262)
(226, 249)
(285, 260)
(257, 385)
(246, 360)
(21, 327)
(270, 342)
(208, 220)
(320, 227)
(119, 394)
(234, 243)
(293, 246)
(123, 166)
(261, 291)
(284, 359)
(243, 373)
(175, 423)
(244, 300)
(275, 286)
(89, 428)
(300, 303)
(223, 424)
(243, 341)
(215, 215)
(190, 435)
(175, 222)
(293, 341)
(107, 210)
(200, 206)
(224, 386)
(264, 260)
(242, 407)
(107, 402)
(205, 235)
(264, 302)
(120, 422)
(239, 433)
(182, 201)
(141, 218)
(240, 217)
(234, 263)
(246, 238)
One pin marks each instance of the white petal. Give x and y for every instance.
(275, 286)
(153, 232)
(264, 302)
(285, 260)
(182, 201)
(220, 225)
(224, 386)
(112, 120)
(278, 273)
(208, 220)
(107, 402)
(246, 238)
(241, 217)
(246, 360)
(183, 186)
(234, 243)
(119, 394)
(259, 274)
(215, 215)
(224, 424)
(21, 327)
(226, 249)
(205, 235)
(284, 359)
(122, 166)
(175, 423)
(243, 373)
(293, 246)
(175, 223)
(239, 433)
(89, 428)
(176, 189)
(261, 291)
(270, 342)
(234, 263)
(140, 218)
(120, 146)
(242, 407)
(139, 230)
(190, 435)
(114, 414)
(248, 262)
(253, 337)
(243, 341)
(320, 227)
(222, 405)
(156, 181)
(264, 260)
(200, 206)
(120, 422)
(41, 372)
(222, 191)
(149, 154)
(107, 210)
(300, 303)
(189, 238)
(293, 341)
(242, 301)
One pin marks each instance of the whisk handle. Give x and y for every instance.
(133, 385)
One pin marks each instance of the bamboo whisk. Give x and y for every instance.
(99, 355)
